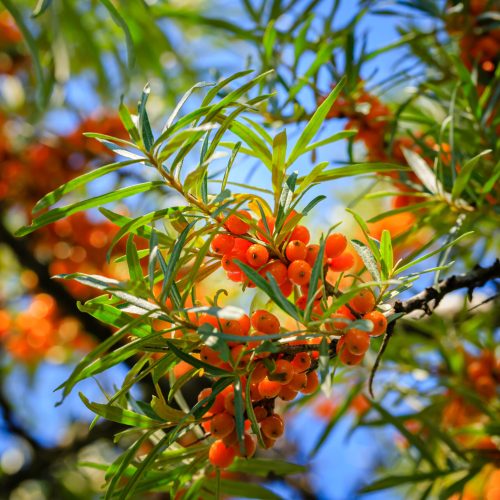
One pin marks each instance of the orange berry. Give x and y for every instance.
(301, 302)
(221, 425)
(257, 255)
(342, 263)
(209, 356)
(287, 393)
(269, 388)
(231, 438)
(312, 254)
(265, 322)
(477, 369)
(349, 359)
(222, 243)
(335, 244)
(301, 362)
(364, 302)
(229, 403)
(268, 442)
(255, 395)
(296, 250)
(249, 447)
(286, 288)
(244, 322)
(312, 383)
(357, 341)
(237, 276)
(259, 373)
(260, 413)
(299, 272)
(231, 327)
(228, 264)
(240, 247)
(301, 233)
(298, 382)
(238, 355)
(486, 386)
(278, 271)
(283, 372)
(272, 426)
(221, 455)
(379, 323)
(236, 223)
(205, 393)
(211, 320)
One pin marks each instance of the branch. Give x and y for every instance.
(476, 278)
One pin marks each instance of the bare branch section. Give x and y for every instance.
(476, 278)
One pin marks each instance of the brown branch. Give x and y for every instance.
(476, 278)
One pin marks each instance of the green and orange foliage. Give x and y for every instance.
(40, 333)
(12, 54)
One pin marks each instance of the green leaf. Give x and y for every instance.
(386, 254)
(41, 7)
(54, 196)
(121, 23)
(144, 126)
(427, 256)
(271, 289)
(463, 177)
(62, 212)
(128, 122)
(368, 259)
(42, 87)
(413, 439)
(278, 167)
(366, 232)
(262, 467)
(314, 123)
(120, 415)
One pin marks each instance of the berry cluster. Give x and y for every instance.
(267, 375)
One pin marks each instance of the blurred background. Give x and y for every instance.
(65, 66)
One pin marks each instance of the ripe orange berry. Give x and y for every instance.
(228, 264)
(486, 386)
(231, 438)
(277, 270)
(221, 455)
(477, 369)
(238, 355)
(312, 383)
(240, 247)
(272, 426)
(231, 327)
(286, 288)
(379, 323)
(312, 254)
(259, 373)
(283, 372)
(296, 250)
(249, 447)
(211, 320)
(299, 272)
(244, 322)
(255, 395)
(237, 276)
(364, 302)
(263, 234)
(260, 413)
(335, 244)
(349, 359)
(209, 356)
(342, 263)
(265, 322)
(222, 243)
(301, 302)
(301, 362)
(269, 388)
(301, 233)
(357, 341)
(268, 443)
(257, 255)
(221, 425)
(229, 403)
(237, 223)
(287, 393)
(298, 382)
